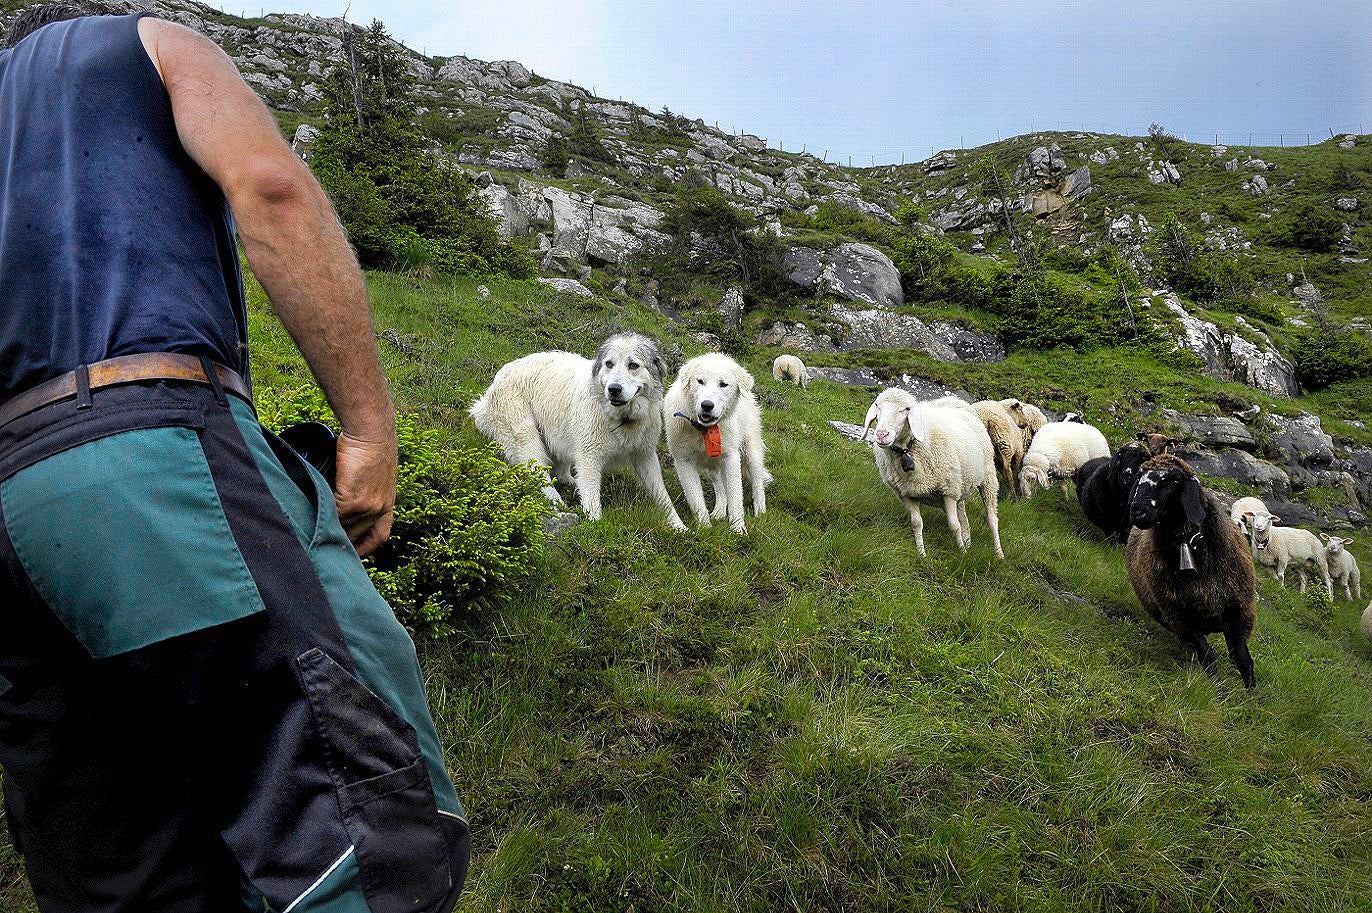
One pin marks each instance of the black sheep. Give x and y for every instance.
(1189, 566)
(1103, 487)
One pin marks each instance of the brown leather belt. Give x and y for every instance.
(126, 369)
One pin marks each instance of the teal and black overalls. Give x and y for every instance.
(204, 704)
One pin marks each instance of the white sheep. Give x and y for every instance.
(791, 370)
(1343, 567)
(1057, 451)
(930, 450)
(1367, 622)
(1281, 547)
(1246, 506)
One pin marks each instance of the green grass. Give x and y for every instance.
(812, 717)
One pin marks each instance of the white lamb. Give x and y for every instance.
(935, 450)
(1281, 547)
(1343, 567)
(1057, 451)
(1246, 506)
(790, 370)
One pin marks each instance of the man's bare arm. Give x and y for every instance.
(299, 253)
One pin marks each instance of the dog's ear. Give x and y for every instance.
(657, 365)
(598, 358)
(867, 422)
(743, 379)
(1192, 501)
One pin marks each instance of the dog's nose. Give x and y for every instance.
(615, 389)
(707, 406)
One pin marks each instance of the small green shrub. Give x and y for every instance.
(1329, 355)
(1308, 227)
(468, 527)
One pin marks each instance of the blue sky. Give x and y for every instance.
(867, 79)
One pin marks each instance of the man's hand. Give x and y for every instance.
(298, 251)
(365, 489)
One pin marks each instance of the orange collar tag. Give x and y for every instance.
(714, 444)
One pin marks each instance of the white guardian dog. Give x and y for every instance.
(580, 418)
(714, 426)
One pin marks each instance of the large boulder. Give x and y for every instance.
(874, 328)
(1077, 184)
(968, 345)
(1241, 467)
(608, 230)
(1302, 440)
(1213, 430)
(796, 336)
(802, 265)
(860, 272)
(1229, 356)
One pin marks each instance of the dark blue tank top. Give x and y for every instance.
(112, 240)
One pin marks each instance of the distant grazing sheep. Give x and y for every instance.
(1057, 451)
(1006, 437)
(790, 370)
(1243, 506)
(1343, 567)
(1188, 565)
(1030, 418)
(1282, 547)
(935, 450)
(1104, 486)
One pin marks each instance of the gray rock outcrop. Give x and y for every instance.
(1229, 356)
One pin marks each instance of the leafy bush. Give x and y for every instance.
(1330, 355)
(713, 238)
(373, 160)
(1209, 277)
(468, 527)
(1309, 227)
(1041, 309)
(582, 141)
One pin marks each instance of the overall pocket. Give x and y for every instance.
(126, 540)
(383, 790)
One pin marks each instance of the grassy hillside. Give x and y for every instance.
(812, 717)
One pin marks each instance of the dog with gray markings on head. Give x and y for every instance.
(580, 418)
(714, 426)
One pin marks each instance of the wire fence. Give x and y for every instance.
(1257, 139)
(918, 153)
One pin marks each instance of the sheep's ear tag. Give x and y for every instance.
(1184, 559)
(714, 443)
